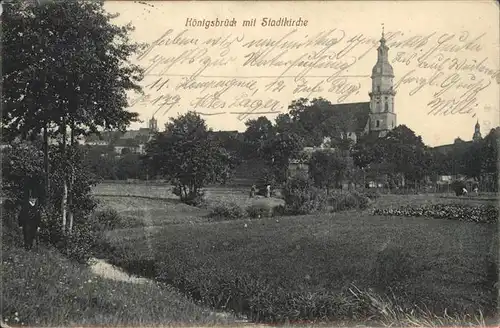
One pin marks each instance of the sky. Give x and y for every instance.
(444, 56)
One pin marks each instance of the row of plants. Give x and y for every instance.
(478, 214)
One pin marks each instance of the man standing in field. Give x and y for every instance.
(29, 220)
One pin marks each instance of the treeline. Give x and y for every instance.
(397, 160)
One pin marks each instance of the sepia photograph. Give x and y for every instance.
(249, 163)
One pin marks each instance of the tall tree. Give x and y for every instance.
(407, 152)
(187, 155)
(257, 133)
(279, 150)
(66, 73)
(327, 168)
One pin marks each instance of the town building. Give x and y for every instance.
(133, 141)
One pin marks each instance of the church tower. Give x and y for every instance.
(477, 132)
(382, 115)
(153, 124)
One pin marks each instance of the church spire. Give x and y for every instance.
(382, 67)
(477, 132)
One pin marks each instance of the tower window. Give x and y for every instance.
(378, 88)
(386, 107)
(378, 123)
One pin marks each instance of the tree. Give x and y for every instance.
(128, 166)
(257, 133)
(472, 160)
(279, 150)
(187, 156)
(284, 123)
(407, 152)
(366, 154)
(327, 169)
(308, 118)
(65, 74)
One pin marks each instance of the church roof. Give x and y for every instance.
(359, 114)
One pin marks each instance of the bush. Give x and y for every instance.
(228, 210)
(279, 210)
(341, 201)
(262, 210)
(80, 245)
(196, 198)
(372, 193)
(301, 197)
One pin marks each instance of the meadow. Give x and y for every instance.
(263, 267)
(43, 288)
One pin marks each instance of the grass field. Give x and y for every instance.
(42, 288)
(442, 264)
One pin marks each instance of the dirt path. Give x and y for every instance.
(103, 269)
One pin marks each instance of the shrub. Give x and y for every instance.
(301, 197)
(228, 210)
(279, 210)
(261, 210)
(80, 244)
(195, 198)
(372, 193)
(341, 201)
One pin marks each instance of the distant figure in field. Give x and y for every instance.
(253, 191)
(268, 191)
(29, 220)
(464, 191)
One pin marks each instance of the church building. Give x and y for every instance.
(378, 116)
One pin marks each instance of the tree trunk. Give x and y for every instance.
(65, 182)
(46, 165)
(71, 180)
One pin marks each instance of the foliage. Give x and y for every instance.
(478, 214)
(22, 169)
(108, 219)
(186, 155)
(45, 289)
(257, 133)
(259, 210)
(372, 193)
(226, 210)
(101, 162)
(457, 186)
(347, 200)
(267, 178)
(84, 70)
(302, 197)
(327, 169)
(309, 119)
(279, 150)
(129, 166)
